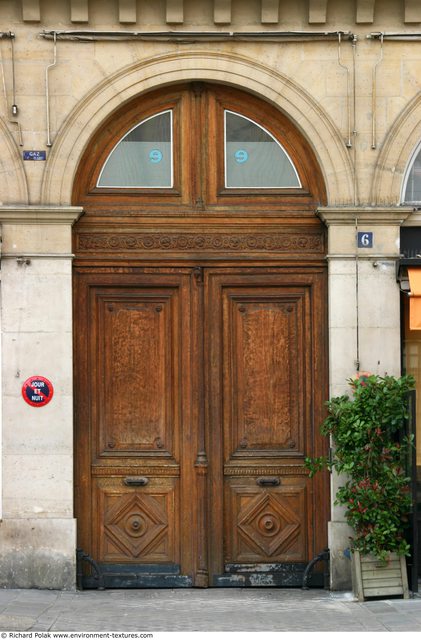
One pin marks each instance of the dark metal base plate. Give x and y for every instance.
(266, 575)
(138, 577)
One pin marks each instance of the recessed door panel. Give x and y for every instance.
(266, 525)
(263, 371)
(137, 526)
(138, 370)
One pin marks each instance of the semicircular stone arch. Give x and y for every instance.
(12, 175)
(238, 71)
(402, 140)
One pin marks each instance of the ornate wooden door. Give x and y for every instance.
(265, 338)
(200, 345)
(133, 345)
(183, 371)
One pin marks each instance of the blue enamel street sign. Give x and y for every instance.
(35, 155)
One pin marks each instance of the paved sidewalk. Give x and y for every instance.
(155, 610)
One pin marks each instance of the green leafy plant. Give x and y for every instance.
(364, 430)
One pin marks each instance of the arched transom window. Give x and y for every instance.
(143, 158)
(411, 191)
(199, 147)
(253, 158)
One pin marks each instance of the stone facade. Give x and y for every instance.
(355, 99)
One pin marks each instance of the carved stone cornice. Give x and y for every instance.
(39, 214)
(374, 216)
(317, 11)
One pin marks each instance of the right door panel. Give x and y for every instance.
(266, 340)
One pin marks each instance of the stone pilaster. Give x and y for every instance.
(37, 533)
(364, 321)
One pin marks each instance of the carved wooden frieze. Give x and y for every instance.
(284, 470)
(141, 470)
(208, 242)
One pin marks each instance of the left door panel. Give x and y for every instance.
(133, 353)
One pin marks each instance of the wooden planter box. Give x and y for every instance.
(371, 578)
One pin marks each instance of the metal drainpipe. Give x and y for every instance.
(356, 201)
(180, 37)
(354, 110)
(192, 36)
(397, 37)
(14, 109)
(374, 98)
(47, 90)
(357, 305)
(348, 98)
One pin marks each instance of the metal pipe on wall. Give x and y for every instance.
(374, 98)
(14, 109)
(414, 36)
(181, 37)
(348, 97)
(354, 115)
(194, 36)
(47, 91)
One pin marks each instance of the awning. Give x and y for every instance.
(414, 276)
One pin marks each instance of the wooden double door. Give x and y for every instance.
(199, 391)
(200, 343)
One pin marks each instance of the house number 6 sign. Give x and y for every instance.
(365, 239)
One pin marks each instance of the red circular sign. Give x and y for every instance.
(37, 391)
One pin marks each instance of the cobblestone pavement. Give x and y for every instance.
(203, 610)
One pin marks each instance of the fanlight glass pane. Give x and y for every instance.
(253, 158)
(143, 158)
(413, 184)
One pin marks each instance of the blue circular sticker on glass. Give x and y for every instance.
(241, 156)
(155, 156)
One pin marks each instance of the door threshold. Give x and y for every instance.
(131, 576)
(275, 575)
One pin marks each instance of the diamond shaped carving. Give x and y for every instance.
(136, 524)
(267, 524)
